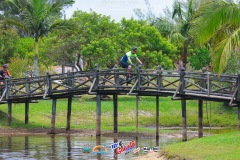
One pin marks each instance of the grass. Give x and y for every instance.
(223, 146)
(84, 114)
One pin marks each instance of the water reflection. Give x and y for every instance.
(71, 147)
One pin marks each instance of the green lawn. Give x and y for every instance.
(84, 114)
(218, 147)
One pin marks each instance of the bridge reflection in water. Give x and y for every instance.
(201, 86)
(69, 147)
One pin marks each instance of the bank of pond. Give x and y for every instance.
(215, 147)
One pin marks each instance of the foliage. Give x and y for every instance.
(200, 59)
(8, 41)
(36, 18)
(25, 47)
(19, 67)
(233, 64)
(217, 22)
(99, 40)
(183, 13)
(147, 38)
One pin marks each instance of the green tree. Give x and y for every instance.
(201, 58)
(183, 13)
(218, 23)
(8, 40)
(93, 39)
(147, 38)
(37, 18)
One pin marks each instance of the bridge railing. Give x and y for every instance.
(206, 84)
(157, 81)
(24, 87)
(71, 82)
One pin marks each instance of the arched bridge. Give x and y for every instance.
(190, 85)
(143, 82)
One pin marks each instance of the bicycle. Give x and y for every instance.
(131, 76)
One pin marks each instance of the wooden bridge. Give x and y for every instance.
(155, 82)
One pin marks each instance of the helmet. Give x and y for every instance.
(134, 48)
(5, 66)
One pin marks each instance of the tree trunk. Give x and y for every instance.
(185, 53)
(35, 72)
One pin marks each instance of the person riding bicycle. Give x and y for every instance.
(4, 72)
(127, 59)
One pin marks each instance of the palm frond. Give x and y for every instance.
(224, 50)
(211, 16)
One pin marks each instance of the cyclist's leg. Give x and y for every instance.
(129, 70)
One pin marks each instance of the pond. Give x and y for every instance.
(34, 147)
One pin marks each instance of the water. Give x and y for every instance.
(72, 147)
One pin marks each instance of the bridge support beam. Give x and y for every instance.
(239, 118)
(69, 111)
(98, 119)
(200, 118)
(26, 112)
(184, 121)
(137, 98)
(9, 113)
(157, 119)
(115, 113)
(54, 103)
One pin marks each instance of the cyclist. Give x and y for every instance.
(4, 72)
(127, 59)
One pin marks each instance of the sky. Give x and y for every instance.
(117, 9)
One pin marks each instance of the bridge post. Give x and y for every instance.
(139, 78)
(48, 78)
(54, 102)
(183, 101)
(116, 75)
(239, 118)
(26, 112)
(115, 112)
(137, 98)
(6, 81)
(238, 91)
(157, 118)
(238, 99)
(159, 78)
(200, 105)
(98, 119)
(69, 78)
(9, 113)
(200, 118)
(69, 111)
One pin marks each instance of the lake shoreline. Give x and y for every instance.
(79, 132)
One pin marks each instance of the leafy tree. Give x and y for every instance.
(146, 37)
(218, 22)
(8, 41)
(201, 58)
(25, 48)
(37, 18)
(99, 40)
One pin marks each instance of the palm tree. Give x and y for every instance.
(37, 18)
(218, 22)
(183, 14)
